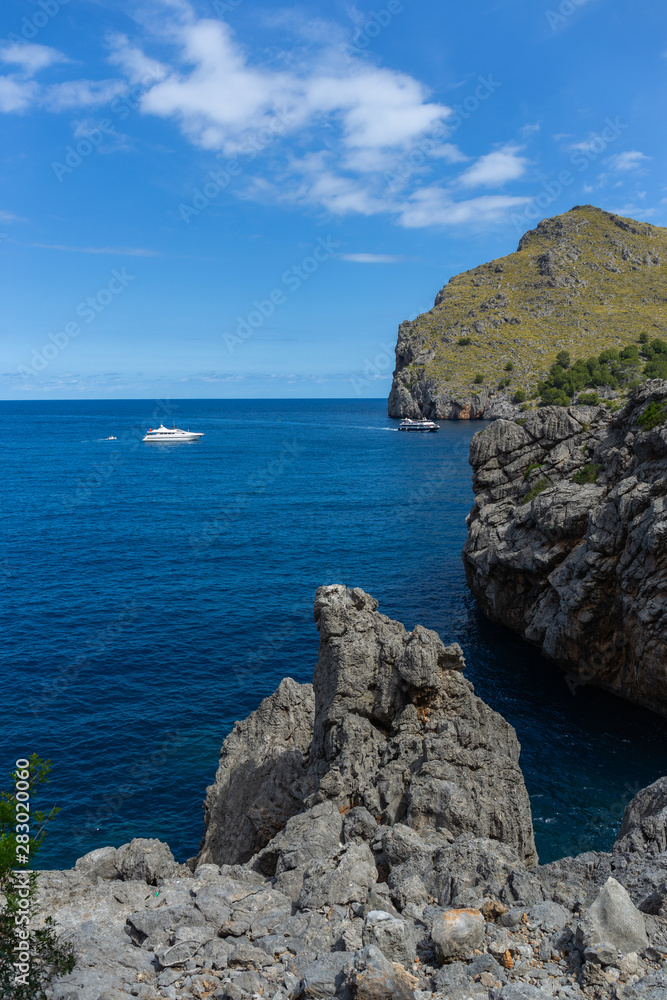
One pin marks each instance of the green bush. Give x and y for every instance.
(478, 379)
(509, 367)
(610, 368)
(519, 396)
(48, 957)
(536, 490)
(588, 399)
(654, 415)
(588, 474)
(531, 468)
(464, 341)
(644, 338)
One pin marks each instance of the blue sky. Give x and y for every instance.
(237, 199)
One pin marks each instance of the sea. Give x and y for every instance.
(152, 595)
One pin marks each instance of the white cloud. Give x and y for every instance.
(81, 94)
(631, 159)
(120, 251)
(10, 217)
(371, 258)
(137, 66)
(16, 94)
(495, 169)
(338, 131)
(220, 99)
(434, 206)
(30, 57)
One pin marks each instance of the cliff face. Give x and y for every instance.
(582, 282)
(390, 724)
(567, 540)
(387, 853)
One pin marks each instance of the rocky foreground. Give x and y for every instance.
(567, 540)
(369, 837)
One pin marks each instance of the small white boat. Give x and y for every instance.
(418, 425)
(111, 438)
(163, 434)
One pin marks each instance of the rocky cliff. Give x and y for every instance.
(390, 726)
(582, 282)
(567, 540)
(369, 838)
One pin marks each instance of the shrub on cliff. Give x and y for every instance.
(611, 368)
(45, 956)
(654, 415)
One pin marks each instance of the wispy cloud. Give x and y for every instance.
(120, 251)
(495, 169)
(631, 159)
(31, 58)
(372, 258)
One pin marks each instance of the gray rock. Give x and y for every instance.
(392, 732)
(101, 863)
(644, 825)
(457, 934)
(344, 878)
(358, 824)
(261, 779)
(579, 569)
(549, 916)
(148, 860)
(396, 938)
(376, 978)
(613, 920)
(323, 978)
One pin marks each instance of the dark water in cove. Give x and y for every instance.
(153, 595)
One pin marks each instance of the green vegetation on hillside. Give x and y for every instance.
(611, 369)
(582, 283)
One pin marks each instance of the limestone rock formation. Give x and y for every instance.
(396, 729)
(262, 775)
(481, 927)
(583, 282)
(567, 540)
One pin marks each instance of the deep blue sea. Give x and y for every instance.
(153, 595)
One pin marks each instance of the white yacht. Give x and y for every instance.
(418, 425)
(164, 434)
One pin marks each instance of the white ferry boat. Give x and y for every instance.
(418, 425)
(163, 434)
